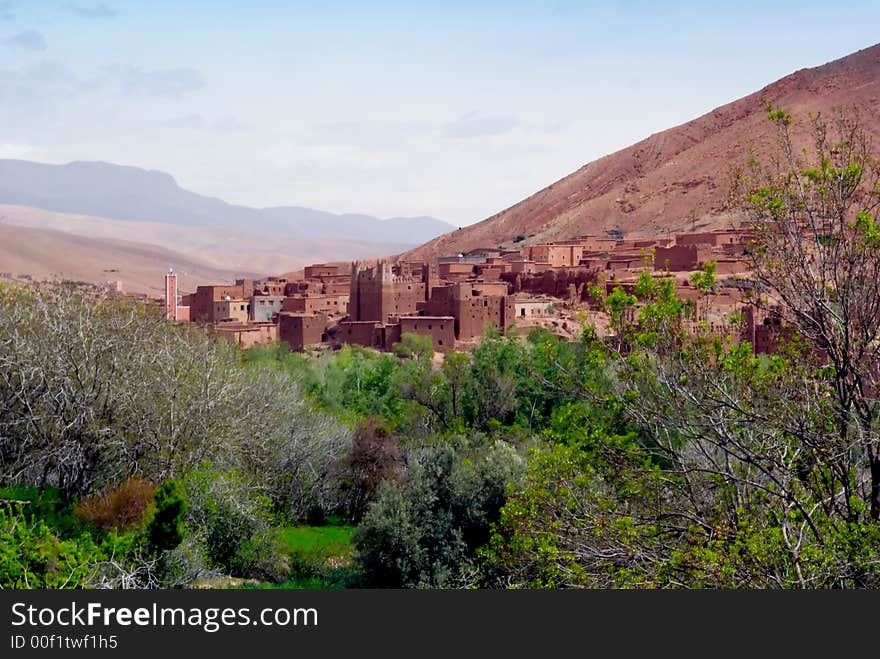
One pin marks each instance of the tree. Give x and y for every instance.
(425, 531)
(93, 393)
(233, 523)
(167, 530)
(815, 214)
(414, 346)
(372, 459)
(704, 280)
(618, 304)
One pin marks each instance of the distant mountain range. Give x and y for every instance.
(140, 266)
(677, 180)
(129, 193)
(233, 251)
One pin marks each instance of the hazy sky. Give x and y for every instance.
(452, 109)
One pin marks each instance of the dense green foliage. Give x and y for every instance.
(98, 400)
(664, 455)
(167, 529)
(425, 531)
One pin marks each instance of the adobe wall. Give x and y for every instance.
(473, 314)
(263, 307)
(272, 288)
(446, 269)
(389, 335)
(555, 283)
(730, 266)
(532, 308)
(248, 336)
(360, 332)
(336, 287)
(523, 266)
(231, 310)
(312, 304)
(714, 238)
(377, 294)
(596, 244)
(300, 331)
(320, 270)
(245, 287)
(441, 329)
(681, 257)
(490, 272)
(202, 301)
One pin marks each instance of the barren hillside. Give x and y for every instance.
(679, 179)
(140, 267)
(223, 247)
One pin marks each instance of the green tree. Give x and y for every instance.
(815, 213)
(414, 346)
(426, 530)
(166, 530)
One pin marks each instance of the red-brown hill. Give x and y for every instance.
(677, 180)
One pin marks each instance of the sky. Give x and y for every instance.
(452, 109)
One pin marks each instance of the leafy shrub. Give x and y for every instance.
(119, 508)
(232, 522)
(372, 459)
(426, 530)
(414, 346)
(166, 529)
(45, 504)
(31, 556)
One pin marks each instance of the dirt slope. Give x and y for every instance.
(140, 267)
(679, 179)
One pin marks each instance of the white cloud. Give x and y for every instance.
(368, 133)
(230, 125)
(168, 83)
(475, 124)
(11, 151)
(100, 11)
(27, 40)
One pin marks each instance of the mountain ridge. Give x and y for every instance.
(125, 192)
(45, 253)
(677, 179)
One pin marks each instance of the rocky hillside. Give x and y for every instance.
(679, 179)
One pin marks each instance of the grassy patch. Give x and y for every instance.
(19, 493)
(45, 504)
(321, 556)
(319, 542)
(332, 580)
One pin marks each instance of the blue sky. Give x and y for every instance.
(452, 109)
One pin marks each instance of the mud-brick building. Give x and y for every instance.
(765, 330)
(231, 309)
(265, 307)
(473, 306)
(370, 333)
(320, 270)
(308, 303)
(247, 335)
(202, 302)
(299, 331)
(716, 238)
(441, 329)
(679, 258)
(380, 294)
(558, 255)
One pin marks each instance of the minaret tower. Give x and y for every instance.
(171, 294)
(354, 307)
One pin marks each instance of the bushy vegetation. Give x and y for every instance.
(100, 403)
(136, 453)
